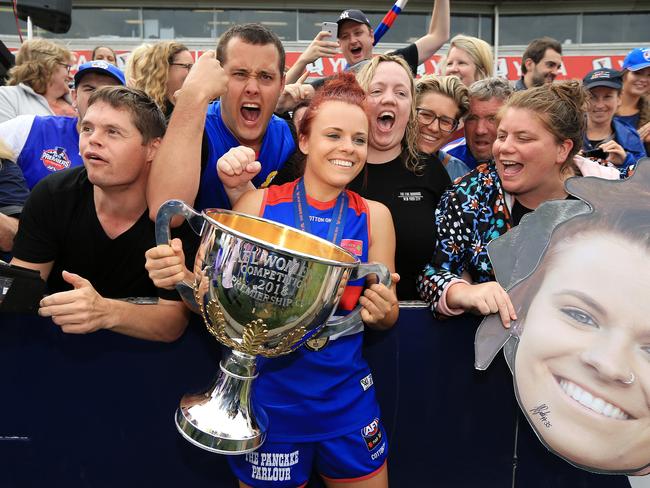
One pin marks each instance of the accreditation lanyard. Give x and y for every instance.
(301, 213)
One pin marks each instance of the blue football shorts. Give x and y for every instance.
(352, 457)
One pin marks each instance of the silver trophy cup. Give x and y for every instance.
(262, 288)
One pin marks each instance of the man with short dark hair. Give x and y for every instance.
(540, 63)
(86, 230)
(46, 144)
(248, 75)
(486, 97)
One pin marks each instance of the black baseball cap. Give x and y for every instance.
(603, 77)
(355, 16)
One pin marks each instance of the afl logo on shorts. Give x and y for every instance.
(55, 159)
(371, 434)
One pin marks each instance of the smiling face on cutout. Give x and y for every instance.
(582, 365)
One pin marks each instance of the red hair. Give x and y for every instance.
(340, 88)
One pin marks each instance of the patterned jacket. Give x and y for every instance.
(470, 214)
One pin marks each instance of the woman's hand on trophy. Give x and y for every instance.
(236, 169)
(380, 306)
(79, 311)
(166, 265)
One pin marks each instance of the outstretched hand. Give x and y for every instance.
(78, 311)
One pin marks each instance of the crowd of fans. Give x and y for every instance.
(101, 157)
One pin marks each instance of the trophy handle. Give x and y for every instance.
(354, 317)
(166, 212)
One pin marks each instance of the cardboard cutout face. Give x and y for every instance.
(578, 274)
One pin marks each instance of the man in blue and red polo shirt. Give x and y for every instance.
(47, 144)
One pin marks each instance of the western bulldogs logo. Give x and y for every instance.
(55, 159)
(371, 434)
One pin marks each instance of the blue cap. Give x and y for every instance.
(99, 66)
(637, 59)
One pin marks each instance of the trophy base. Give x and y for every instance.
(222, 419)
(209, 442)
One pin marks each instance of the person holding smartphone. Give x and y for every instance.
(356, 37)
(607, 140)
(324, 45)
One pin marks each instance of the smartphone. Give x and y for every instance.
(332, 28)
(597, 153)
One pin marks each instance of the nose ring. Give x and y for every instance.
(630, 379)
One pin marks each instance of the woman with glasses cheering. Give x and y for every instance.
(39, 83)
(441, 103)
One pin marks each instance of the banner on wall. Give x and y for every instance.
(507, 66)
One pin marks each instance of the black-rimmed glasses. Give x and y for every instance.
(67, 66)
(427, 117)
(187, 66)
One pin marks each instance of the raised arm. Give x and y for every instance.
(321, 47)
(439, 31)
(176, 170)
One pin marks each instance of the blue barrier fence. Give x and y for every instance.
(96, 410)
